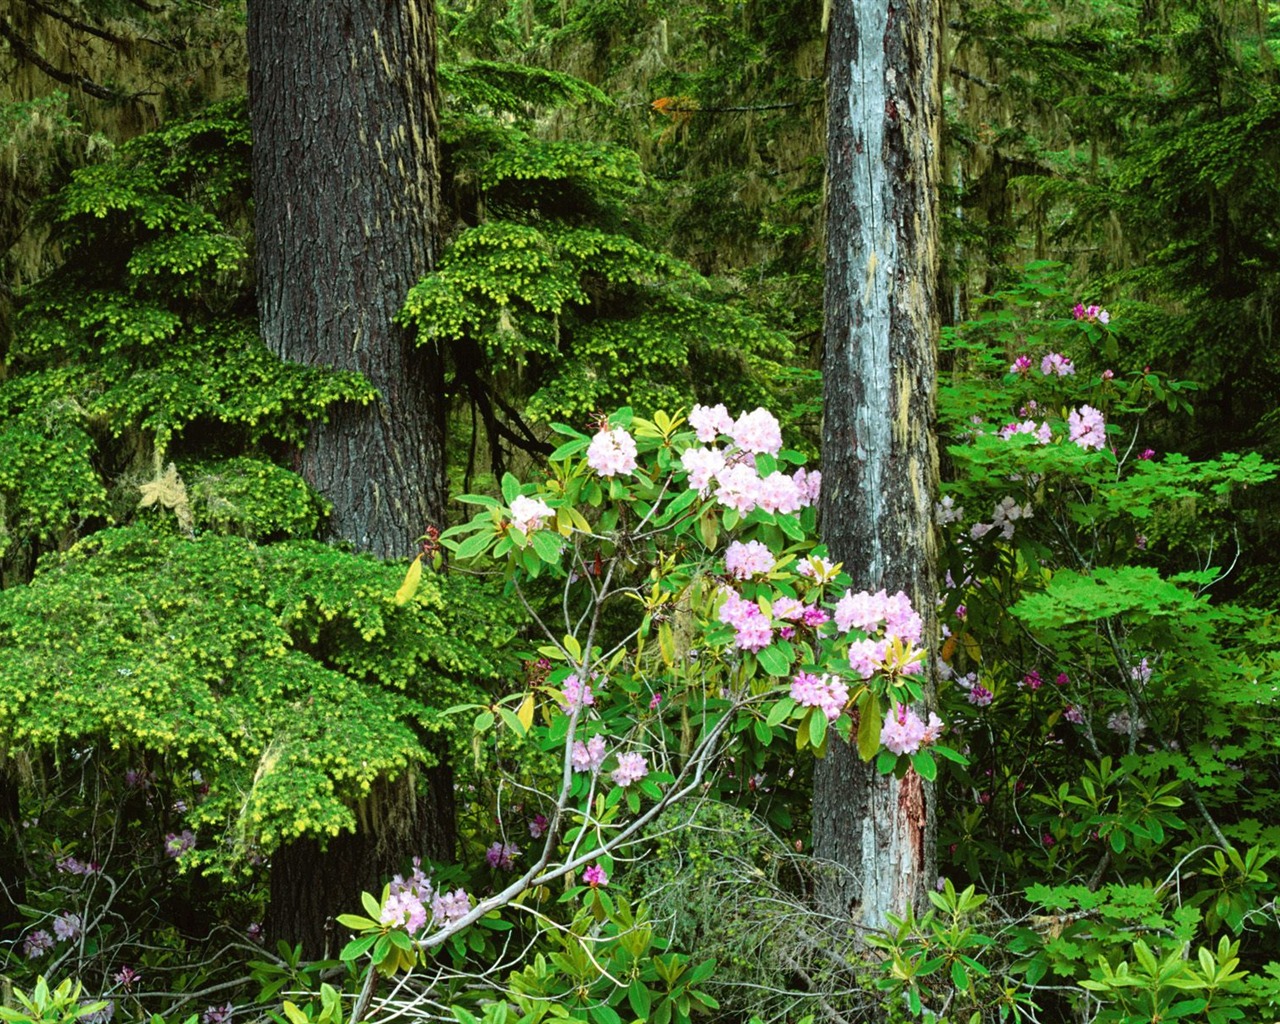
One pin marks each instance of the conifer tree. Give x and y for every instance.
(346, 190)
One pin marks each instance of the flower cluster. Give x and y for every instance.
(737, 483)
(1056, 365)
(577, 695)
(1041, 432)
(594, 876)
(502, 855)
(1087, 427)
(880, 613)
(747, 560)
(904, 732)
(589, 756)
(631, 768)
(1093, 314)
(612, 452)
(176, 844)
(753, 631)
(413, 902)
(1007, 512)
(827, 692)
(529, 514)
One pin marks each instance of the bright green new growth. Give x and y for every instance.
(286, 674)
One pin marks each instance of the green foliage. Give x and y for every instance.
(287, 674)
(1118, 714)
(61, 1005)
(553, 289)
(139, 346)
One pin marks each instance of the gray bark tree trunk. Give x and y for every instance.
(346, 194)
(879, 462)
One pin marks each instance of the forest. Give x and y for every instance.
(636, 512)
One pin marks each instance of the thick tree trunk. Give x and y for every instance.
(311, 884)
(879, 463)
(346, 194)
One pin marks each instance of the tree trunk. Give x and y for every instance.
(879, 462)
(311, 884)
(346, 195)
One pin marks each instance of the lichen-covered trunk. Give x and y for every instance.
(879, 461)
(346, 192)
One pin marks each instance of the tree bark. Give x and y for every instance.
(312, 883)
(346, 194)
(879, 462)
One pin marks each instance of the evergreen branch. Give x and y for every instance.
(24, 51)
(969, 76)
(102, 33)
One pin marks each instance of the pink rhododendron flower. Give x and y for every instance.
(788, 608)
(867, 656)
(702, 465)
(631, 768)
(1056, 364)
(36, 944)
(827, 692)
(1087, 427)
(779, 493)
(902, 732)
(449, 907)
(655, 701)
(589, 756)
(1147, 454)
(502, 855)
(739, 487)
(1021, 365)
(577, 695)
(753, 630)
(1141, 673)
(757, 431)
(862, 611)
(710, 421)
(1042, 433)
(612, 452)
(404, 910)
(980, 696)
(1073, 714)
(175, 845)
(594, 875)
(809, 483)
(528, 514)
(539, 825)
(815, 616)
(747, 560)
(218, 1014)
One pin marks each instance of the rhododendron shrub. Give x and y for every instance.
(691, 611)
(1110, 699)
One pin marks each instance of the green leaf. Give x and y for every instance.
(780, 712)
(474, 545)
(925, 766)
(774, 660)
(870, 724)
(817, 728)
